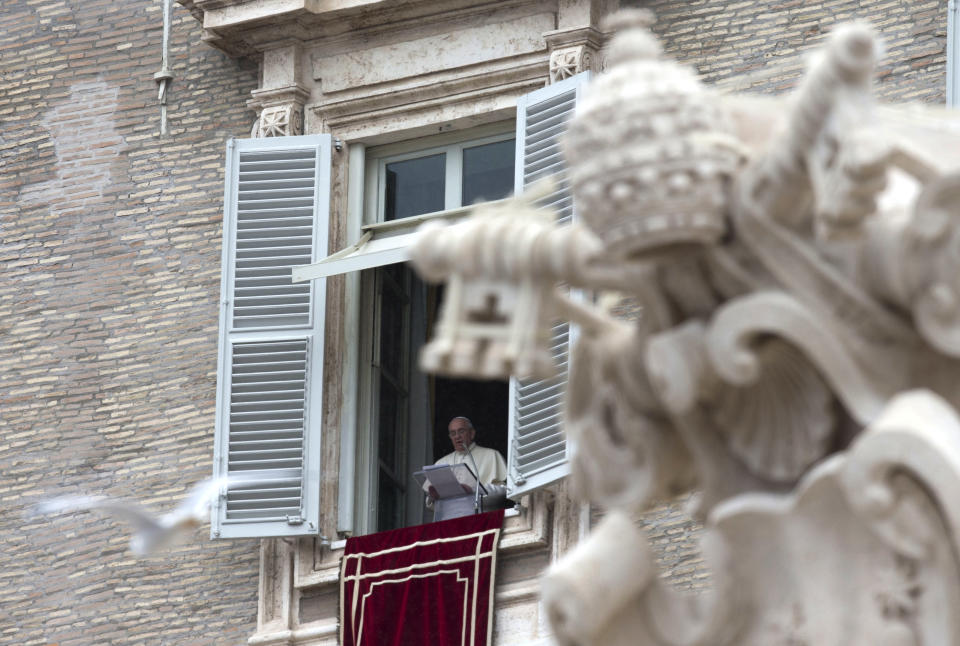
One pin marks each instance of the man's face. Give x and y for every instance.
(460, 434)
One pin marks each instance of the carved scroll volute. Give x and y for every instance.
(936, 230)
(626, 452)
(864, 551)
(902, 477)
(590, 597)
(739, 322)
(912, 260)
(918, 435)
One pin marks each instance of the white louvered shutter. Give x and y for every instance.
(269, 372)
(537, 447)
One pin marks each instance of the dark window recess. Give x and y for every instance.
(393, 404)
(390, 401)
(389, 504)
(393, 306)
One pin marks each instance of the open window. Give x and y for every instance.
(399, 414)
(403, 413)
(409, 410)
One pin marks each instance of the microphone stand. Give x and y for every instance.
(476, 495)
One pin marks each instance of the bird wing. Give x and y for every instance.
(152, 532)
(196, 505)
(128, 511)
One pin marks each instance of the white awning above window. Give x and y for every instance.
(366, 253)
(380, 244)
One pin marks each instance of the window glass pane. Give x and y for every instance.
(415, 186)
(389, 504)
(387, 428)
(392, 330)
(488, 172)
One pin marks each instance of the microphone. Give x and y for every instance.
(476, 495)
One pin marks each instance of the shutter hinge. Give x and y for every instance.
(295, 520)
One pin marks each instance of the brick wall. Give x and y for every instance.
(108, 303)
(762, 47)
(108, 312)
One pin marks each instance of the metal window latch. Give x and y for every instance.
(295, 520)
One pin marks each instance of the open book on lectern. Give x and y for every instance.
(448, 480)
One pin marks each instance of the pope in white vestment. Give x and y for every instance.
(487, 464)
(493, 469)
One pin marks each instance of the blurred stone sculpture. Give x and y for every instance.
(797, 359)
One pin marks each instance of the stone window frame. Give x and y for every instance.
(360, 478)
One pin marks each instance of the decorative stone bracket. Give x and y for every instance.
(281, 100)
(280, 121)
(574, 51)
(570, 61)
(281, 111)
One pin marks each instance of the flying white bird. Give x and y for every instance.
(152, 533)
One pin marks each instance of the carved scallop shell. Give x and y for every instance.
(781, 423)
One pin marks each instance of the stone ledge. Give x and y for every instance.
(245, 28)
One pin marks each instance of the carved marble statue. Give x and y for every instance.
(797, 359)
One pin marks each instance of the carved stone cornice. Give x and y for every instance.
(243, 28)
(309, 634)
(580, 36)
(489, 93)
(262, 98)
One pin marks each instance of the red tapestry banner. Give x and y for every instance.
(426, 585)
